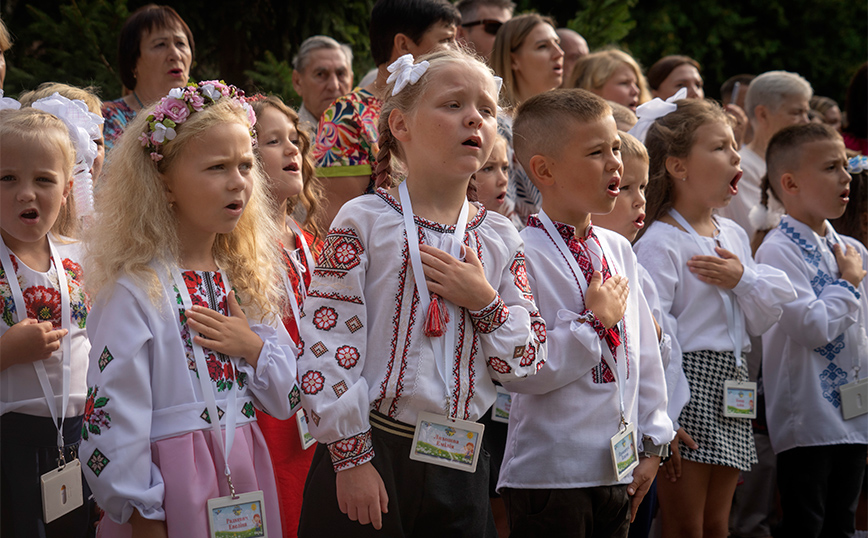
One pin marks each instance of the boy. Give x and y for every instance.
(811, 356)
(604, 369)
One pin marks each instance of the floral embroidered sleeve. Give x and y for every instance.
(115, 448)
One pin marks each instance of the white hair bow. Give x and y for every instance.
(8, 102)
(404, 72)
(652, 110)
(499, 82)
(83, 127)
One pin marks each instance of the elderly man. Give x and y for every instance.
(322, 72)
(574, 47)
(480, 20)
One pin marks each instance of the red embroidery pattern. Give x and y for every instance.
(340, 388)
(529, 356)
(518, 268)
(397, 331)
(341, 252)
(335, 296)
(347, 356)
(312, 382)
(43, 304)
(325, 318)
(491, 317)
(352, 452)
(539, 328)
(499, 365)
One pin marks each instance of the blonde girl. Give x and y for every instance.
(613, 75)
(419, 299)
(492, 180)
(42, 333)
(712, 295)
(284, 150)
(183, 246)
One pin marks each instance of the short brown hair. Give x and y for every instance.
(663, 67)
(143, 20)
(542, 121)
(782, 154)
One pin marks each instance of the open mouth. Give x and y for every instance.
(639, 223)
(845, 196)
(613, 188)
(235, 206)
(29, 214)
(733, 185)
(291, 167)
(473, 142)
(177, 72)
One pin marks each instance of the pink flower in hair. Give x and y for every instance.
(156, 157)
(251, 115)
(196, 101)
(176, 110)
(145, 139)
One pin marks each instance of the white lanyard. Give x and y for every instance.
(39, 366)
(300, 271)
(613, 364)
(735, 325)
(457, 241)
(308, 257)
(205, 381)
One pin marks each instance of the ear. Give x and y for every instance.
(401, 45)
(789, 183)
(513, 65)
(398, 126)
(541, 170)
(296, 80)
(676, 167)
(761, 113)
(170, 196)
(66, 190)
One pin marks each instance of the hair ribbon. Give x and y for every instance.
(404, 72)
(652, 110)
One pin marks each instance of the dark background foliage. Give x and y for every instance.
(251, 43)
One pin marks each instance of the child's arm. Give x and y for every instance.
(29, 341)
(811, 320)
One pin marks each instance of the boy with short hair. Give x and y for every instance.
(813, 355)
(604, 375)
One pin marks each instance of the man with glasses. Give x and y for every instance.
(480, 20)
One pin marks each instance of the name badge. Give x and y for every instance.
(739, 399)
(625, 452)
(61, 491)
(242, 516)
(307, 440)
(447, 442)
(854, 399)
(500, 409)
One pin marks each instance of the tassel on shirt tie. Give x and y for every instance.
(436, 318)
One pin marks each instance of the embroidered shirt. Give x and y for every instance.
(362, 328)
(20, 390)
(117, 115)
(810, 353)
(346, 137)
(569, 407)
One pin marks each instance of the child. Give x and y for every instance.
(818, 349)
(394, 328)
(184, 229)
(284, 148)
(492, 181)
(710, 291)
(42, 336)
(568, 142)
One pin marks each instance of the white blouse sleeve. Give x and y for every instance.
(653, 419)
(116, 444)
(273, 381)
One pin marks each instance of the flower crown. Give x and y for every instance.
(857, 164)
(175, 109)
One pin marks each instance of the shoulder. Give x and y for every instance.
(363, 212)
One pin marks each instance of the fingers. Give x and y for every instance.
(55, 336)
(204, 324)
(596, 281)
(725, 254)
(687, 440)
(29, 321)
(235, 310)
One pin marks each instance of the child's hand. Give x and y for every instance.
(607, 300)
(147, 528)
(723, 272)
(227, 335)
(29, 341)
(362, 495)
(460, 282)
(643, 477)
(850, 264)
(672, 468)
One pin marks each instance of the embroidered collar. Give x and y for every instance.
(800, 234)
(481, 212)
(567, 231)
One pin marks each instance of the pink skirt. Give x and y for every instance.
(192, 468)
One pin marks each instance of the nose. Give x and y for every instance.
(558, 51)
(474, 118)
(291, 148)
(26, 192)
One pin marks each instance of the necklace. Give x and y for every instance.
(139, 101)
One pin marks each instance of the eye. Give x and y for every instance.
(296, 143)
(505, 168)
(487, 169)
(272, 142)
(625, 187)
(217, 167)
(7, 178)
(487, 110)
(44, 179)
(245, 166)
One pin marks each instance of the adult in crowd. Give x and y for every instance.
(574, 47)
(528, 57)
(671, 73)
(855, 129)
(613, 75)
(346, 139)
(155, 51)
(322, 71)
(480, 21)
(5, 44)
(827, 111)
(733, 92)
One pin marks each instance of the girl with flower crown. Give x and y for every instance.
(414, 308)
(284, 148)
(185, 341)
(43, 342)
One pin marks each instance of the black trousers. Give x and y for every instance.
(425, 500)
(819, 488)
(597, 512)
(28, 449)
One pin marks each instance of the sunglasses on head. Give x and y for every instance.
(489, 25)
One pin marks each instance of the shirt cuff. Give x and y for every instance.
(844, 284)
(352, 452)
(590, 318)
(746, 282)
(491, 317)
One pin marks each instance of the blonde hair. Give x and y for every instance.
(5, 38)
(509, 39)
(135, 228)
(34, 126)
(593, 70)
(312, 191)
(631, 148)
(47, 89)
(406, 101)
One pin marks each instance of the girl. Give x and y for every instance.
(284, 149)
(711, 292)
(613, 75)
(43, 343)
(492, 180)
(184, 229)
(405, 336)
